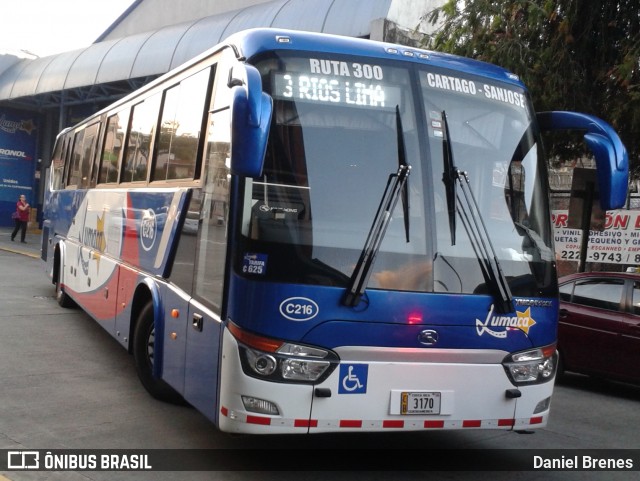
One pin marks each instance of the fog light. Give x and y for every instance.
(259, 406)
(542, 406)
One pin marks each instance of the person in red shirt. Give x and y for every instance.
(21, 218)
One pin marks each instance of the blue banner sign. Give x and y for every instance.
(17, 159)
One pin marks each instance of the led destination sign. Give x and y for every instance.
(344, 91)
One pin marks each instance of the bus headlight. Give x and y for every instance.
(279, 361)
(261, 363)
(303, 369)
(534, 366)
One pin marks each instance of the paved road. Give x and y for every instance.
(66, 384)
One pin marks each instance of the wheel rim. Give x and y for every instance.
(151, 342)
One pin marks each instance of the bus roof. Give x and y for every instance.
(252, 42)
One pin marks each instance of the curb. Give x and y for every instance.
(17, 251)
(21, 252)
(32, 249)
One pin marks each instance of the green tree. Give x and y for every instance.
(572, 54)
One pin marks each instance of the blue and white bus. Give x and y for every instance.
(305, 233)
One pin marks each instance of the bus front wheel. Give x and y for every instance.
(143, 353)
(62, 297)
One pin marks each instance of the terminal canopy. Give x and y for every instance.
(107, 70)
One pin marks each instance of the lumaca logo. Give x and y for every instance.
(522, 321)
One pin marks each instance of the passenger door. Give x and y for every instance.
(206, 306)
(202, 359)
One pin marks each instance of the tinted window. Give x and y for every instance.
(212, 241)
(565, 291)
(180, 128)
(116, 129)
(76, 159)
(143, 124)
(57, 164)
(636, 297)
(81, 159)
(600, 293)
(88, 151)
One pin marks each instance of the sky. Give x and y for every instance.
(48, 27)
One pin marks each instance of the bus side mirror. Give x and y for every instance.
(251, 111)
(612, 160)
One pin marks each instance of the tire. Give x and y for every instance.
(143, 351)
(62, 297)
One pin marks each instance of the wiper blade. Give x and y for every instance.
(396, 187)
(362, 271)
(402, 161)
(477, 231)
(473, 222)
(449, 177)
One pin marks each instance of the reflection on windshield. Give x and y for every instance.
(396, 188)
(307, 219)
(466, 206)
(494, 144)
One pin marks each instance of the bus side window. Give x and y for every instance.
(84, 145)
(76, 159)
(212, 240)
(180, 128)
(57, 165)
(112, 148)
(144, 118)
(88, 153)
(67, 152)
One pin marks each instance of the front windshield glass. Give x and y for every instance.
(333, 145)
(493, 143)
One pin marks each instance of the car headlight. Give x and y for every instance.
(534, 366)
(280, 361)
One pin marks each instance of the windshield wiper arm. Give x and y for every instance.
(402, 161)
(449, 177)
(362, 271)
(395, 188)
(477, 230)
(471, 217)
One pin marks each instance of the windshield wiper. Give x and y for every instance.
(449, 177)
(396, 187)
(471, 217)
(402, 161)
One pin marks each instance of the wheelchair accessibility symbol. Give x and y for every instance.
(353, 378)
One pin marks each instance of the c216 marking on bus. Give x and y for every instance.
(299, 309)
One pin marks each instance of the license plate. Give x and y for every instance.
(420, 403)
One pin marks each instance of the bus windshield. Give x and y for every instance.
(332, 146)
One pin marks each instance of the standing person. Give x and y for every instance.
(21, 219)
